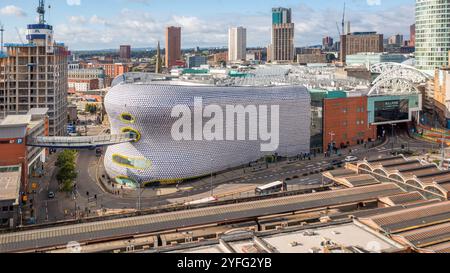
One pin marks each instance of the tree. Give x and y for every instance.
(65, 157)
(67, 169)
(90, 108)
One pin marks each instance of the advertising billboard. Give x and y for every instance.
(391, 111)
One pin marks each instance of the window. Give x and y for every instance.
(133, 132)
(127, 118)
(132, 163)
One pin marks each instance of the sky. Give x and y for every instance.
(105, 24)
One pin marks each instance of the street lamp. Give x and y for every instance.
(139, 193)
(332, 134)
(212, 189)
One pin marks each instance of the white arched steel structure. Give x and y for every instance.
(393, 86)
(398, 70)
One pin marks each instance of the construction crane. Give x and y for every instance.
(338, 29)
(18, 35)
(41, 11)
(343, 21)
(2, 29)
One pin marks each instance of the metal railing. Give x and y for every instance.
(78, 142)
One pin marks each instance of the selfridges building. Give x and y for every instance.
(186, 130)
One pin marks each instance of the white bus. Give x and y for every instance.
(274, 187)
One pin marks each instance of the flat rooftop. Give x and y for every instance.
(16, 120)
(334, 238)
(60, 235)
(320, 77)
(10, 183)
(346, 235)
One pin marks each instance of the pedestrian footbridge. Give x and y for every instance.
(86, 142)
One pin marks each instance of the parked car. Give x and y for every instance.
(351, 159)
(335, 162)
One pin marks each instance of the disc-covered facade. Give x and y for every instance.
(146, 110)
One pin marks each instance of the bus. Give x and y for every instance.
(274, 187)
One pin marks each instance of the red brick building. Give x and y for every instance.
(346, 122)
(173, 46)
(82, 85)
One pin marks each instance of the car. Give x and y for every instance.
(351, 159)
(51, 195)
(336, 162)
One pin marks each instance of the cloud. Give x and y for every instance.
(373, 2)
(74, 2)
(143, 29)
(12, 10)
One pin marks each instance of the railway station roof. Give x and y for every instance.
(60, 235)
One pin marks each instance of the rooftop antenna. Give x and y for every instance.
(41, 11)
(2, 29)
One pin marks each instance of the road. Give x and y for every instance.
(305, 172)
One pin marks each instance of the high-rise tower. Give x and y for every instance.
(173, 46)
(282, 35)
(432, 34)
(237, 44)
(34, 75)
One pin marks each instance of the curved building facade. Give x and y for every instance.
(432, 34)
(146, 109)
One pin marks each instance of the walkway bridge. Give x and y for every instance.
(87, 142)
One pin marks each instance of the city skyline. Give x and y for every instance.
(143, 22)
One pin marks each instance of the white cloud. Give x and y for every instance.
(73, 2)
(12, 10)
(373, 2)
(142, 29)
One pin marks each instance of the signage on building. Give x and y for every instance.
(391, 111)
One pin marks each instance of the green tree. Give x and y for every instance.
(65, 157)
(90, 108)
(67, 172)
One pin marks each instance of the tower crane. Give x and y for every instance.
(41, 11)
(343, 21)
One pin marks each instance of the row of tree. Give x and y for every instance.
(67, 173)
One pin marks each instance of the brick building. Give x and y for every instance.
(173, 46)
(125, 52)
(346, 122)
(83, 85)
(359, 42)
(18, 162)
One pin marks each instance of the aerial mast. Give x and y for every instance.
(41, 11)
